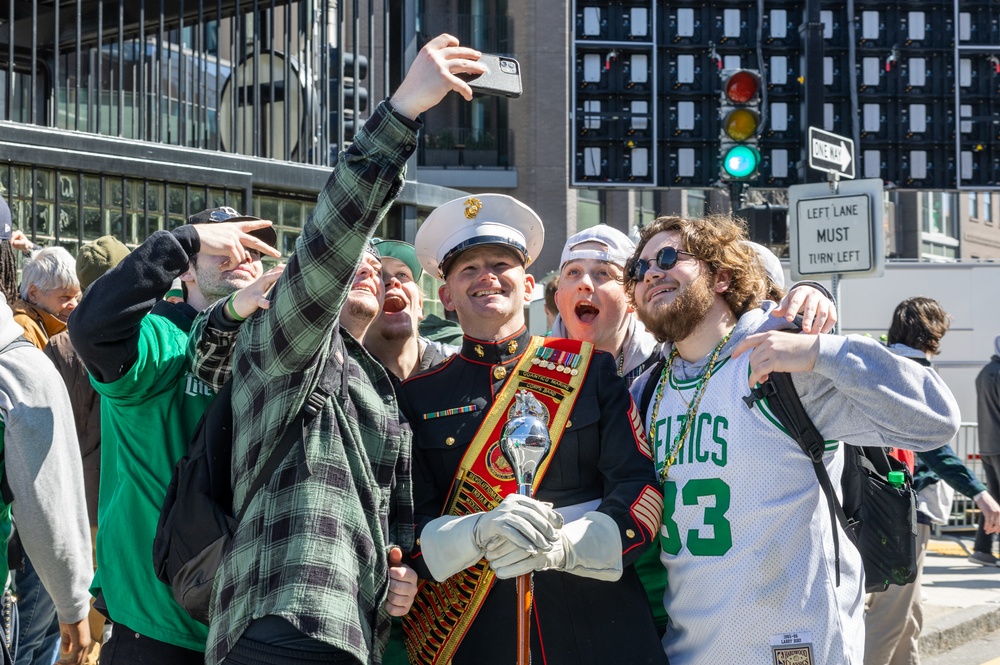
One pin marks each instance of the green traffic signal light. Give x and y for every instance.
(740, 122)
(741, 161)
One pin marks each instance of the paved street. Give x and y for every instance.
(962, 608)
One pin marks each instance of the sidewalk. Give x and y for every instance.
(961, 599)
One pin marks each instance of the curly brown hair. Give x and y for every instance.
(919, 323)
(716, 240)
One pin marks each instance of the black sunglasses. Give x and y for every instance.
(666, 259)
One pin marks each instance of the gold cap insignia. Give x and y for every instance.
(512, 347)
(478, 348)
(472, 207)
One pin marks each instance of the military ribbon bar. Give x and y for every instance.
(450, 412)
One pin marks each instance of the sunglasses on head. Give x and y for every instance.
(666, 259)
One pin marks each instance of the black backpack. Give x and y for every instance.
(880, 519)
(197, 520)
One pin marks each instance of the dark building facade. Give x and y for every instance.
(125, 116)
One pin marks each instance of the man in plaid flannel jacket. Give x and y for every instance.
(309, 575)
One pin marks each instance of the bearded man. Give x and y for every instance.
(745, 529)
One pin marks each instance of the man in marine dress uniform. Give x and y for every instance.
(599, 475)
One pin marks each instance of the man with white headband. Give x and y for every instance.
(593, 306)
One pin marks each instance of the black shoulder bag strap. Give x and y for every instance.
(783, 401)
(650, 387)
(335, 367)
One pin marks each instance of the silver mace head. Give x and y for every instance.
(524, 440)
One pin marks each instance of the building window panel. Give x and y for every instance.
(695, 200)
(589, 208)
(645, 211)
(937, 213)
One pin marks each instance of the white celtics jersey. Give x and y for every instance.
(746, 537)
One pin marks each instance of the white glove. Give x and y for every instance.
(450, 544)
(589, 547)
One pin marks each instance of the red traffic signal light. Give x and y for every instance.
(742, 86)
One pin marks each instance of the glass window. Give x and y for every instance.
(43, 185)
(217, 198)
(938, 251)
(288, 217)
(267, 208)
(197, 201)
(175, 200)
(70, 207)
(988, 207)
(695, 203)
(973, 205)
(589, 208)
(936, 213)
(92, 227)
(645, 210)
(69, 226)
(91, 190)
(235, 198)
(292, 213)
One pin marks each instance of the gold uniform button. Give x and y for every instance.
(450, 441)
(499, 372)
(569, 423)
(630, 533)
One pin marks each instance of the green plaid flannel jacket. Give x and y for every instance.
(312, 546)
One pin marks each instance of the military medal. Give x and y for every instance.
(563, 362)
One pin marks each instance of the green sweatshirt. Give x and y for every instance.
(147, 418)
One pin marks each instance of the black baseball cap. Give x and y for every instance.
(227, 214)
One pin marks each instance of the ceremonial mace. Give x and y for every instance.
(525, 442)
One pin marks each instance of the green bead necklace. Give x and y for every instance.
(692, 413)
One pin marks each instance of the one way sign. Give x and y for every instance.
(831, 153)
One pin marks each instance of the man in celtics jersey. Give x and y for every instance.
(746, 534)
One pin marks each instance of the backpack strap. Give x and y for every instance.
(876, 460)
(650, 387)
(334, 371)
(20, 340)
(784, 402)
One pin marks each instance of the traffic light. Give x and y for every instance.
(739, 124)
(355, 96)
(348, 99)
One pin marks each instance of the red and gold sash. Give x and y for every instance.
(553, 369)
